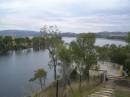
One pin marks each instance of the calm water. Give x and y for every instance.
(99, 41)
(18, 67)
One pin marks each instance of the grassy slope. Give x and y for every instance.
(121, 93)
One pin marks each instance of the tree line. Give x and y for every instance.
(8, 43)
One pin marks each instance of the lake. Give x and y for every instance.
(17, 67)
(99, 41)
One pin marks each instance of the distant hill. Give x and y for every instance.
(28, 33)
(112, 35)
(68, 34)
(19, 33)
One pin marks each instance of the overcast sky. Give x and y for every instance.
(68, 15)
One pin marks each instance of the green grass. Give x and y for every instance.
(76, 94)
(121, 93)
(86, 91)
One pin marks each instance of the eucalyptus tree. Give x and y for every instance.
(1, 44)
(53, 42)
(127, 65)
(118, 54)
(28, 42)
(127, 61)
(20, 43)
(38, 42)
(103, 53)
(87, 42)
(84, 53)
(40, 74)
(64, 56)
(8, 43)
(65, 62)
(77, 59)
(128, 38)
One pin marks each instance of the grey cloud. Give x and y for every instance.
(79, 15)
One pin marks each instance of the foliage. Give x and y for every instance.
(118, 54)
(121, 93)
(83, 55)
(8, 43)
(127, 65)
(84, 52)
(103, 53)
(38, 43)
(127, 61)
(53, 43)
(128, 38)
(73, 75)
(64, 56)
(39, 75)
(20, 43)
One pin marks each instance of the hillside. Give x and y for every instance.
(28, 33)
(19, 33)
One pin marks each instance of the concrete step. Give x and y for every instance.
(95, 95)
(115, 77)
(108, 89)
(104, 92)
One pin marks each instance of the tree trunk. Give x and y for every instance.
(57, 88)
(44, 81)
(80, 79)
(55, 64)
(88, 77)
(40, 83)
(70, 85)
(55, 72)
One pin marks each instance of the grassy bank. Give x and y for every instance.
(71, 90)
(122, 88)
(121, 93)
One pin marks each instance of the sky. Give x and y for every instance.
(69, 15)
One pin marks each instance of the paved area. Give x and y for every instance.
(104, 92)
(114, 72)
